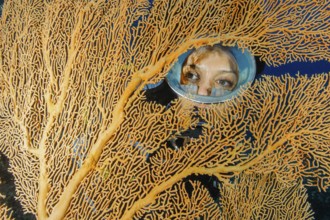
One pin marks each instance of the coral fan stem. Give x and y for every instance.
(118, 117)
(196, 170)
(54, 111)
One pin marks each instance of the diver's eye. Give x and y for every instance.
(192, 76)
(224, 83)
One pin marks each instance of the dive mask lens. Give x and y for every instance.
(191, 89)
(219, 92)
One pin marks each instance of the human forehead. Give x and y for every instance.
(204, 52)
(214, 62)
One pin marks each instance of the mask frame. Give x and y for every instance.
(246, 67)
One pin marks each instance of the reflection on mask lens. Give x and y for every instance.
(192, 89)
(219, 92)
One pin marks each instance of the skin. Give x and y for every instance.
(210, 70)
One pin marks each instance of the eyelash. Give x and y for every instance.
(192, 76)
(195, 77)
(224, 83)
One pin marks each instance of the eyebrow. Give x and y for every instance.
(226, 71)
(194, 66)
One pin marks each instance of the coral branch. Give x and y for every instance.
(85, 142)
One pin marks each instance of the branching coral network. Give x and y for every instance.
(84, 143)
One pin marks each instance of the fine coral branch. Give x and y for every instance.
(73, 75)
(118, 117)
(27, 141)
(152, 195)
(54, 111)
(94, 155)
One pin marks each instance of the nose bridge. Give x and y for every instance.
(204, 87)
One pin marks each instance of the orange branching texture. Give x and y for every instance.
(175, 203)
(5, 213)
(83, 141)
(262, 197)
(298, 118)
